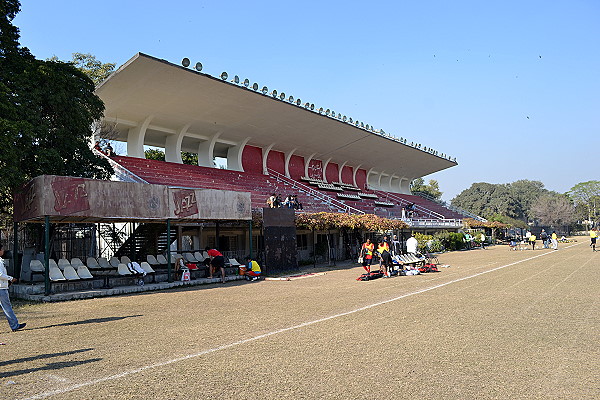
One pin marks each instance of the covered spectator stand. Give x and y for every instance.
(59, 199)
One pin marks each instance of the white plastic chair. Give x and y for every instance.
(125, 260)
(62, 263)
(70, 274)
(162, 260)
(55, 273)
(234, 263)
(146, 267)
(92, 263)
(84, 272)
(189, 257)
(123, 270)
(151, 260)
(76, 262)
(36, 266)
(199, 256)
(114, 262)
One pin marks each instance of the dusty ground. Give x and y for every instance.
(495, 325)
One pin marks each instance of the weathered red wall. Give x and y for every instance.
(361, 178)
(296, 167)
(276, 161)
(347, 175)
(252, 159)
(332, 173)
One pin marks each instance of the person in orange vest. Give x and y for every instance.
(385, 258)
(366, 252)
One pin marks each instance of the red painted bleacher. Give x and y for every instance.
(262, 186)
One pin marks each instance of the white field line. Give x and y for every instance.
(266, 335)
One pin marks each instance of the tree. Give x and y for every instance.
(525, 193)
(431, 189)
(486, 199)
(587, 195)
(187, 158)
(92, 67)
(47, 109)
(554, 210)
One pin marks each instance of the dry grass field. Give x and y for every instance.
(496, 324)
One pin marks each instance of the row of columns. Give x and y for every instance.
(135, 148)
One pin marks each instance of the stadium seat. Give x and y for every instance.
(199, 256)
(62, 263)
(36, 267)
(234, 263)
(151, 260)
(76, 262)
(84, 272)
(125, 260)
(55, 273)
(123, 270)
(105, 265)
(70, 274)
(189, 257)
(162, 260)
(114, 262)
(92, 263)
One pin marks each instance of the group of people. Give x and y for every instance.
(409, 211)
(106, 149)
(291, 201)
(548, 241)
(216, 261)
(385, 251)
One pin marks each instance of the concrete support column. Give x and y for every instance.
(135, 139)
(325, 169)
(405, 185)
(307, 164)
(234, 156)
(265, 157)
(173, 145)
(288, 157)
(354, 172)
(341, 169)
(206, 151)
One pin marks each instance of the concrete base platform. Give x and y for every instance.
(36, 292)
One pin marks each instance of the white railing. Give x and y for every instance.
(433, 223)
(420, 209)
(330, 201)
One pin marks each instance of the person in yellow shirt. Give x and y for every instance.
(593, 237)
(532, 240)
(253, 269)
(554, 240)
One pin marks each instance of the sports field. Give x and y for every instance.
(496, 324)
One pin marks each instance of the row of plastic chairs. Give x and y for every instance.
(73, 270)
(194, 258)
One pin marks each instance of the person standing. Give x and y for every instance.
(532, 239)
(412, 245)
(385, 258)
(593, 237)
(482, 238)
(366, 252)
(13, 321)
(216, 261)
(554, 240)
(544, 237)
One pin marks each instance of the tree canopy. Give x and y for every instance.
(47, 109)
(432, 188)
(586, 195)
(91, 66)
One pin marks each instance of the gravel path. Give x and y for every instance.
(495, 325)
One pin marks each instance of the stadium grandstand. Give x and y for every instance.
(271, 143)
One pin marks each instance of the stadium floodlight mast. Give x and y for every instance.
(224, 75)
(185, 62)
(198, 66)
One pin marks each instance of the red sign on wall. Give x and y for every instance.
(70, 195)
(185, 203)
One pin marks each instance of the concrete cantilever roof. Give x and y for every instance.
(170, 99)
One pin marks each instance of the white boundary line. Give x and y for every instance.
(272, 333)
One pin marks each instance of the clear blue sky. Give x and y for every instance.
(511, 88)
